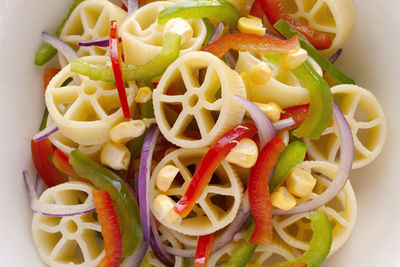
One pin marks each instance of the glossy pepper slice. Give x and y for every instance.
(320, 243)
(46, 51)
(148, 71)
(217, 153)
(243, 252)
(126, 205)
(204, 246)
(297, 113)
(275, 11)
(293, 154)
(60, 161)
(288, 31)
(110, 229)
(260, 44)
(260, 203)
(41, 153)
(221, 10)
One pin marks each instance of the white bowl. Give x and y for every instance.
(371, 57)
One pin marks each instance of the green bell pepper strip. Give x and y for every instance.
(288, 31)
(210, 30)
(293, 154)
(154, 68)
(43, 123)
(47, 51)
(125, 203)
(320, 243)
(146, 109)
(220, 10)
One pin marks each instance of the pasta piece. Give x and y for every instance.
(90, 20)
(142, 37)
(295, 230)
(277, 251)
(195, 96)
(70, 240)
(218, 205)
(366, 120)
(85, 109)
(334, 17)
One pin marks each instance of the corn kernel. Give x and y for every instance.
(244, 154)
(300, 182)
(143, 95)
(293, 59)
(116, 156)
(260, 73)
(272, 110)
(165, 177)
(282, 199)
(181, 27)
(127, 130)
(251, 24)
(163, 205)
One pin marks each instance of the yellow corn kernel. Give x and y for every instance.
(251, 24)
(126, 131)
(143, 95)
(282, 199)
(244, 154)
(272, 110)
(163, 205)
(260, 73)
(293, 59)
(181, 27)
(300, 182)
(116, 156)
(165, 177)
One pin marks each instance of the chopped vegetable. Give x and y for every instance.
(204, 246)
(49, 73)
(297, 113)
(60, 161)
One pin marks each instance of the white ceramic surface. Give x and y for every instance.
(371, 57)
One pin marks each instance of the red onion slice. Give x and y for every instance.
(265, 128)
(137, 257)
(144, 177)
(158, 247)
(61, 46)
(335, 56)
(133, 5)
(100, 42)
(46, 132)
(217, 33)
(53, 210)
(283, 124)
(343, 172)
(230, 61)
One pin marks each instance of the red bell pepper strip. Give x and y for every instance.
(274, 10)
(298, 113)
(204, 246)
(217, 153)
(60, 161)
(48, 75)
(260, 44)
(109, 228)
(116, 66)
(41, 151)
(256, 10)
(298, 264)
(260, 203)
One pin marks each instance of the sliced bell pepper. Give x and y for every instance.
(298, 264)
(217, 153)
(221, 10)
(204, 246)
(297, 113)
(210, 30)
(293, 154)
(320, 243)
(116, 67)
(41, 152)
(260, 44)
(154, 68)
(60, 161)
(46, 51)
(288, 31)
(260, 203)
(275, 11)
(256, 10)
(126, 205)
(109, 228)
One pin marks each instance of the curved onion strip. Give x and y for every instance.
(132, 6)
(217, 33)
(46, 132)
(100, 42)
(158, 247)
(283, 124)
(344, 168)
(137, 257)
(61, 46)
(144, 177)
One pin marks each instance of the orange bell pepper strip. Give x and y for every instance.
(260, 44)
(48, 75)
(217, 153)
(109, 228)
(259, 199)
(298, 264)
(60, 161)
(204, 246)
(297, 113)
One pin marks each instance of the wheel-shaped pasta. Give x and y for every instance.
(70, 240)
(217, 206)
(90, 20)
(142, 37)
(199, 87)
(295, 230)
(222, 255)
(334, 17)
(367, 123)
(85, 110)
